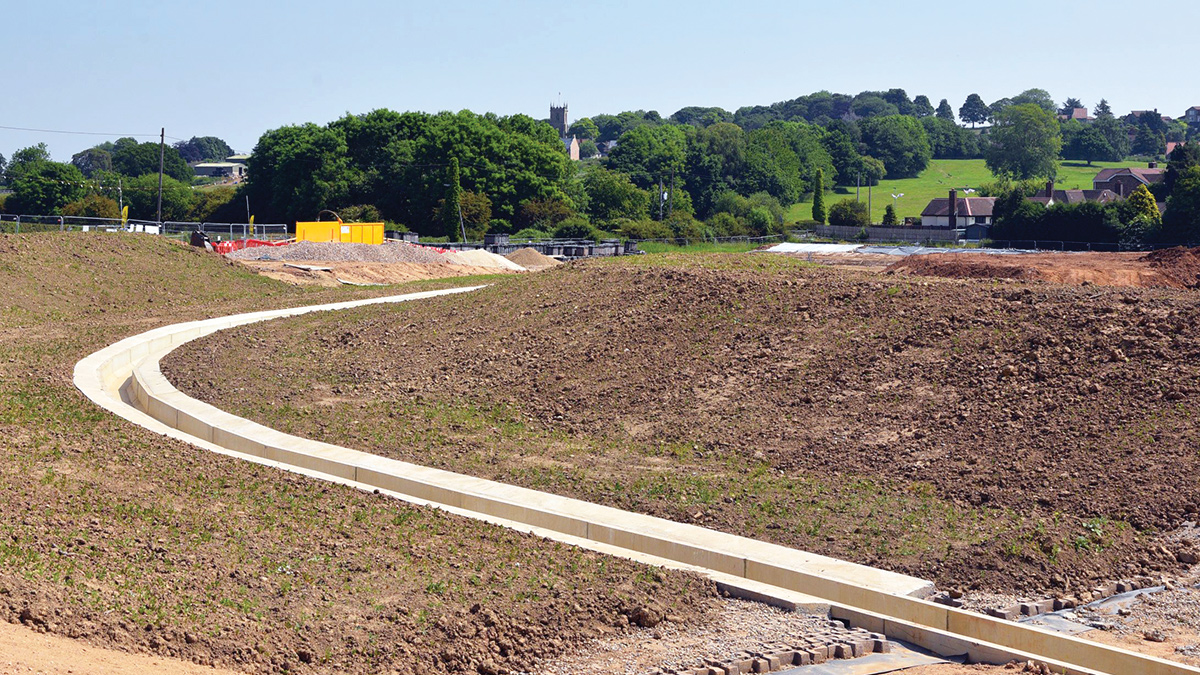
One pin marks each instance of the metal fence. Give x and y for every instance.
(1051, 245)
(16, 224)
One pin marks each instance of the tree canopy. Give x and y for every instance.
(203, 149)
(1025, 143)
(900, 142)
(974, 110)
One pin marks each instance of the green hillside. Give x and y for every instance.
(936, 181)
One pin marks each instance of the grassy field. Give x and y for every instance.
(936, 181)
(706, 247)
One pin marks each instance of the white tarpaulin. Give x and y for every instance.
(813, 248)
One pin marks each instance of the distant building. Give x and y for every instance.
(572, 146)
(1078, 114)
(1124, 181)
(558, 120)
(220, 169)
(237, 159)
(958, 212)
(1049, 195)
(1192, 116)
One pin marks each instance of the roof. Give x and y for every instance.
(1195, 107)
(215, 165)
(967, 206)
(1147, 176)
(1171, 147)
(1076, 114)
(1075, 196)
(237, 158)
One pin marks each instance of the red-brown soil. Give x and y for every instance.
(118, 537)
(993, 435)
(1169, 268)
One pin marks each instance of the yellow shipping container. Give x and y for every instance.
(350, 233)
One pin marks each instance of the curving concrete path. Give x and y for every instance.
(125, 379)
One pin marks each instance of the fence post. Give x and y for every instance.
(18, 224)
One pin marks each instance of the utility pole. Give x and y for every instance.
(870, 214)
(857, 186)
(660, 199)
(120, 195)
(162, 152)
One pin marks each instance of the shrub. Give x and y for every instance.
(759, 222)
(576, 227)
(531, 233)
(360, 213)
(889, 216)
(500, 226)
(93, 206)
(546, 213)
(725, 225)
(849, 213)
(644, 229)
(684, 226)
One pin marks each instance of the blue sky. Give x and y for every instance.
(234, 69)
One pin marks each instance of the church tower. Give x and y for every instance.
(558, 119)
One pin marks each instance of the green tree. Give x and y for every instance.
(613, 196)
(945, 112)
(203, 149)
(132, 159)
(974, 110)
(451, 214)
(900, 142)
(1103, 110)
(141, 194)
(1090, 145)
(1039, 97)
(25, 158)
(93, 206)
(715, 163)
(1182, 158)
(584, 129)
(870, 170)
(818, 206)
(782, 158)
(947, 140)
(889, 216)
(649, 153)
(922, 107)
(92, 161)
(1141, 205)
(544, 214)
(1181, 222)
(1025, 143)
(44, 187)
(210, 204)
(849, 213)
(297, 171)
(588, 149)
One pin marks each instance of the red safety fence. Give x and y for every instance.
(224, 247)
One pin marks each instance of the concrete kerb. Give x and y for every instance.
(797, 577)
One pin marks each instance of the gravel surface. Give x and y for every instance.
(742, 626)
(388, 252)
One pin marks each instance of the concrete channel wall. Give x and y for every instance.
(125, 378)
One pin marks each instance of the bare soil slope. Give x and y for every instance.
(126, 539)
(1169, 268)
(989, 435)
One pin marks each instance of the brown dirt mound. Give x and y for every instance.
(1179, 262)
(1102, 269)
(531, 259)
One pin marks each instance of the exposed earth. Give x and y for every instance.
(1167, 268)
(115, 536)
(997, 436)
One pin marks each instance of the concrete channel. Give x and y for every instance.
(125, 379)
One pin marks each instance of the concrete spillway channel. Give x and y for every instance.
(125, 379)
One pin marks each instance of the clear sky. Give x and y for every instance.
(236, 68)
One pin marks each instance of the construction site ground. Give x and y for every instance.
(1020, 439)
(117, 538)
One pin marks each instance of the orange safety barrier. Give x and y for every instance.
(227, 247)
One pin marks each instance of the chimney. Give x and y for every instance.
(1049, 191)
(953, 209)
(1153, 165)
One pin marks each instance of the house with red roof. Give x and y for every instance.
(1124, 181)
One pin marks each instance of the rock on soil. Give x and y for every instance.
(531, 259)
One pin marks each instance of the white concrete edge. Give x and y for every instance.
(767, 566)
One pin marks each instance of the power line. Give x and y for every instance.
(75, 133)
